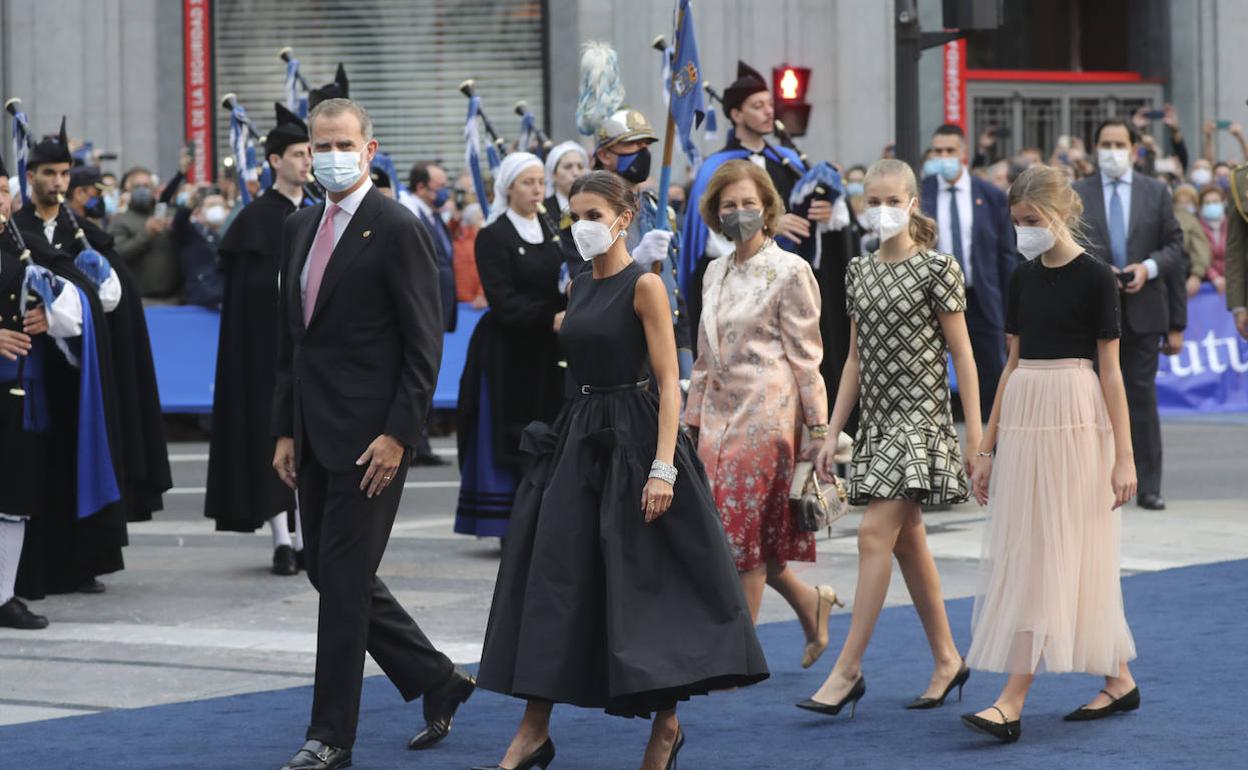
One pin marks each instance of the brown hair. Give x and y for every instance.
(1184, 192)
(730, 173)
(609, 186)
(922, 227)
(1212, 187)
(1047, 190)
(333, 107)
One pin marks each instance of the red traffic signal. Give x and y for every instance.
(789, 83)
(789, 86)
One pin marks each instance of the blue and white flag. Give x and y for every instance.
(712, 127)
(666, 75)
(472, 153)
(243, 150)
(296, 95)
(21, 151)
(527, 140)
(688, 105)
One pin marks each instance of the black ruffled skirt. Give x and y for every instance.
(593, 606)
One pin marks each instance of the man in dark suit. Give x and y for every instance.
(974, 220)
(1131, 226)
(359, 344)
(429, 192)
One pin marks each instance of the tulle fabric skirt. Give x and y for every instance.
(1050, 595)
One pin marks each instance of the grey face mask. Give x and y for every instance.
(741, 225)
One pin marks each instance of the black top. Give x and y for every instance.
(602, 336)
(1061, 312)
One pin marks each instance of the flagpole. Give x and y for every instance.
(669, 139)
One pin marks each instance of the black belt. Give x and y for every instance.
(593, 390)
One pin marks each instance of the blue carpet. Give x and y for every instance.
(1190, 625)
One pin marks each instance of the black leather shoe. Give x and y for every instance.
(319, 756)
(959, 681)
(90, 586)
(1006, 731)
(541, 757)
(440, 706)
(1128, 702)
(430, 460)
(15, 614)
(1152, 502)
(284, 562)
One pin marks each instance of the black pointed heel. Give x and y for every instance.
(541, 757)
(1006, 732)
(959, 681)
(832, 709)
(1128, 702)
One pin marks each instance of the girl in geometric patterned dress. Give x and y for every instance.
(906, 307)
(1050, 594)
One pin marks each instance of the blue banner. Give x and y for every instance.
(1211, 374)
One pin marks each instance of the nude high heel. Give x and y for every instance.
(827, 600)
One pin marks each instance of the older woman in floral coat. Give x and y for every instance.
(756, 383)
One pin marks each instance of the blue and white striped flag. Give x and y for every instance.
(296, 97)
(243, 149)
(472, 153)
(21, 150)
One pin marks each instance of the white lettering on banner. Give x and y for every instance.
(1213, 349)
(197, 81)
(953, 83)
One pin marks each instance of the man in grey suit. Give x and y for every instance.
(1131, 226)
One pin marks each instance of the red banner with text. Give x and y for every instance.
(955, 83)
(198, 86)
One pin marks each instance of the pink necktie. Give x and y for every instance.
(318, 258)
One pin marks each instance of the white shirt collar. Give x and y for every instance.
(530, 230)
(352, 202)
(422, 208)
(563, 202)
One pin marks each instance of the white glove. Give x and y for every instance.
(110, 292)
(653, 247)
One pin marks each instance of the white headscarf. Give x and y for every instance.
(553, 158)
(512, 167)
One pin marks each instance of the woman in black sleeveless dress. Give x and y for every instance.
(616, 589)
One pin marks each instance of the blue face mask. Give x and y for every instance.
(1213, 211)
(948, 168)
(854, 188)
(441, 197)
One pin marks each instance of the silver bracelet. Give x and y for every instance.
(983, 454)
(663, 471)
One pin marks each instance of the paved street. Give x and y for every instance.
(197, 614)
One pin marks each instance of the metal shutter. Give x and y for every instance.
(404, 58)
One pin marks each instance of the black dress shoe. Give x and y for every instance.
(541, 757)
(440, 706)
(1128, 702)
(284, 561)
(832, 709)
(959, 681)
(319, 756)
(430, 460)
(1006, 732)
(1152, 502)
(90, 586)
(15, 614)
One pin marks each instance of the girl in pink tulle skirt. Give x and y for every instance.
(1049, 596)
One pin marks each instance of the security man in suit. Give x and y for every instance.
(1131, 226)
(974, 219)
(359, 345)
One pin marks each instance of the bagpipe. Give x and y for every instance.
(94, 265)
(499, 146)
(295, 102)
(38, 288)
(21, 144)
(530, 130)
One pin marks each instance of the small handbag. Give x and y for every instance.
(813, 509)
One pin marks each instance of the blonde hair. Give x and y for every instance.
(730, 173)
(1048, 191)
(922, 227)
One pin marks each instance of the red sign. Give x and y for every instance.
(955, 83)
(198, 86)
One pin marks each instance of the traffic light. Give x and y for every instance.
(789, 85)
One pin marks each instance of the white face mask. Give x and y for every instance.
(1201, 177)
(215, 215)
(1113, 162)
(887, 221)
(1034, 241)
(593, 238)
(337, 171)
